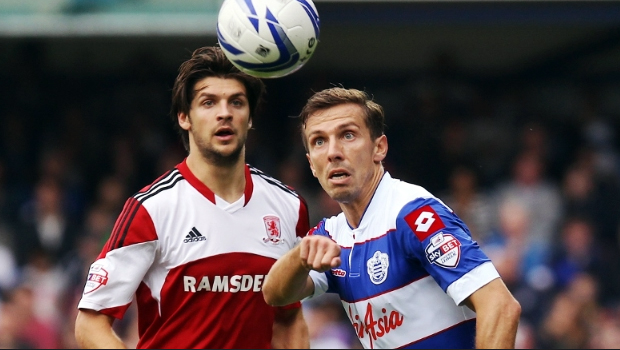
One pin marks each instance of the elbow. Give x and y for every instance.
(270, 299)
(274, 295)
(273, 300)
(512, 310)
(270, 296)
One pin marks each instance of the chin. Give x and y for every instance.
(340, 196)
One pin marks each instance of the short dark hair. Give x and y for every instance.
(209, 61)
(374, 116)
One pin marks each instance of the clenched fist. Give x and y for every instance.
(319, 253)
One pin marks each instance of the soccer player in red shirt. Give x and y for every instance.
(193, 248)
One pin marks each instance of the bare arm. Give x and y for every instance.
(497, 316)
(288, 280)
(290, 330)
(93, 330)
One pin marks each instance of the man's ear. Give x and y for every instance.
(381, 148)
(184, 121)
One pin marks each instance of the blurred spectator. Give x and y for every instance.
(21, 327)
(578, 190)
(606, 330)
(576, 252)
(57, 164)
(8, 269)
(44, 226)
(596, 200)
(552, 145)
(8, 264)
(599, 135)
(469, 202)
(568, 323)
(111, 194)
(48, 285)
(514, 255)
(539, 195)
(520, 262)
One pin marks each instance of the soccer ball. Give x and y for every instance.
(268, 38)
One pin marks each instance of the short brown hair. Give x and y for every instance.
(209, 61)
(374, 116)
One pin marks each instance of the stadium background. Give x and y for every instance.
(507, 110)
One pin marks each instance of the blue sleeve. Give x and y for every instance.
(439, 240)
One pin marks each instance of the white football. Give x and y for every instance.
(268, 38)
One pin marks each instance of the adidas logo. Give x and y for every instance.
(194, 236)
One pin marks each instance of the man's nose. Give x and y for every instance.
(334, 150)
(224, 111)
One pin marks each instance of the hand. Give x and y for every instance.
(319, 253)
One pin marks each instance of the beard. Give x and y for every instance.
(219, 158)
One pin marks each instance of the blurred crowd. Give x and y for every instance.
(532, 168)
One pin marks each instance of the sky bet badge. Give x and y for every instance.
(444, 250)
(97, 277)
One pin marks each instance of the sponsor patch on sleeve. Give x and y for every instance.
(444, 250)
(424, 222)
(97, 277)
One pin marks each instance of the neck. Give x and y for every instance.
(354, 210)
(227, 182)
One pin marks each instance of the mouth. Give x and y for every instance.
(224, 132)
(338, 174)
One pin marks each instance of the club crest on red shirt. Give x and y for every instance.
(272, 226)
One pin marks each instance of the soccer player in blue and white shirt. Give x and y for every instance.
(405, 266)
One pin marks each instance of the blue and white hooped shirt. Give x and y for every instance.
(405, 270)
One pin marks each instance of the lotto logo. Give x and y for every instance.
(424, 222)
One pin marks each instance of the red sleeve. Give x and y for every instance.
(294, 305)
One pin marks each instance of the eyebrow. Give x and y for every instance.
(349, 125)
(200, 93)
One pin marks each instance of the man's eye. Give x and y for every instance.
(237, 103)
(208, 103)
(319, 142)
(348, 135)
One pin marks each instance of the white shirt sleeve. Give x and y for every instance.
(475, 279)
(113, 280)
(320, 284)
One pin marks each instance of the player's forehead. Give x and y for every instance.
(335, 118)
(221, 87)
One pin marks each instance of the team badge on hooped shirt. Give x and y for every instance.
(378, 267)
(272, 226)
(444, 250)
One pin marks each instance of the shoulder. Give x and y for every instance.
(401, 198)
(266, 182)
(161, 187)
(400, 188)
